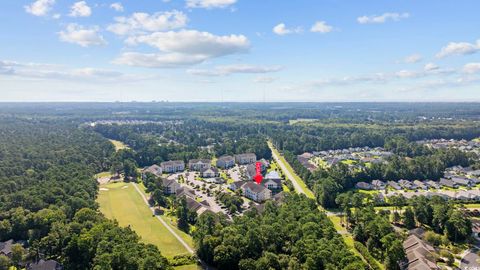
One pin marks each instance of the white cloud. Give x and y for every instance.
(408, 74)
(117, 7)
(82, 36)
(459, 48)
(471, 68)
(321, 27)
(430, 67)
(40, 7)
(182, 48)
(158, 60)
(414, 58)
(209, 4)
(193, 42)
(382, 18)
(234, 69)
(80, 9)
(160, 21)
(281, 29)
(264, 79)
(58, 72)
(56, 16)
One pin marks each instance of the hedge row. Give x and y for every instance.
(367, 256)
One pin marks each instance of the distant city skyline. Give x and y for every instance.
(239, 50)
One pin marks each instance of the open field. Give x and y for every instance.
(122, 202)
(118, 145)
(169, 220)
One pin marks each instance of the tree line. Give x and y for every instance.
(47, 197)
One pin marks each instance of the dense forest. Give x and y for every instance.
(292, 235)
(187, 139)
(47, 197)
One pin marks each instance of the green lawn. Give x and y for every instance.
(103, 174)
(349, 162)
(128, 208)
(118, 145)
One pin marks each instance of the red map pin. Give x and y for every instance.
(258, 177)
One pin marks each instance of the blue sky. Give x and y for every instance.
(239, 50)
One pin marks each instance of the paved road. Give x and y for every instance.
(287, 173)
(163, 222)
(470, 260)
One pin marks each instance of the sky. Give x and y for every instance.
(239, 50)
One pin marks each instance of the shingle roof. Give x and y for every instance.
(192, 161)
(45, 265)
(6, 247)
(254, 187)
(226, 158)
(172, 162)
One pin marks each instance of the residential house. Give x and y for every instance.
(433, 184)
(185, 191)
(225, 162)
(237, 185)
(272, 184)
(461, 181)
(154, 169)
(419, 254)
(448, 183)
(256, 192)
(394, 185)
(170, 186)
(420, 185)
(198, 164)
(304, 159)
(467, 195)
(192, 203)
(6, 248)
(474, 173)
(209, 172)
(173, 166)
(364, 186)
(198, 207)
(273, 175)
(45, 265)
(406, 184)
(246, 158)
(377, 184)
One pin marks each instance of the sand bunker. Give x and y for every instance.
(124, 187)
(103, 189)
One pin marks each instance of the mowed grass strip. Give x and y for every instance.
(128, 208)
(297, 178)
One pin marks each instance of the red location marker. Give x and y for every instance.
(258, 177)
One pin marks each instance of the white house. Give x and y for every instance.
(246, 158)
(199, 164)
(173, 166)
(256, 192)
